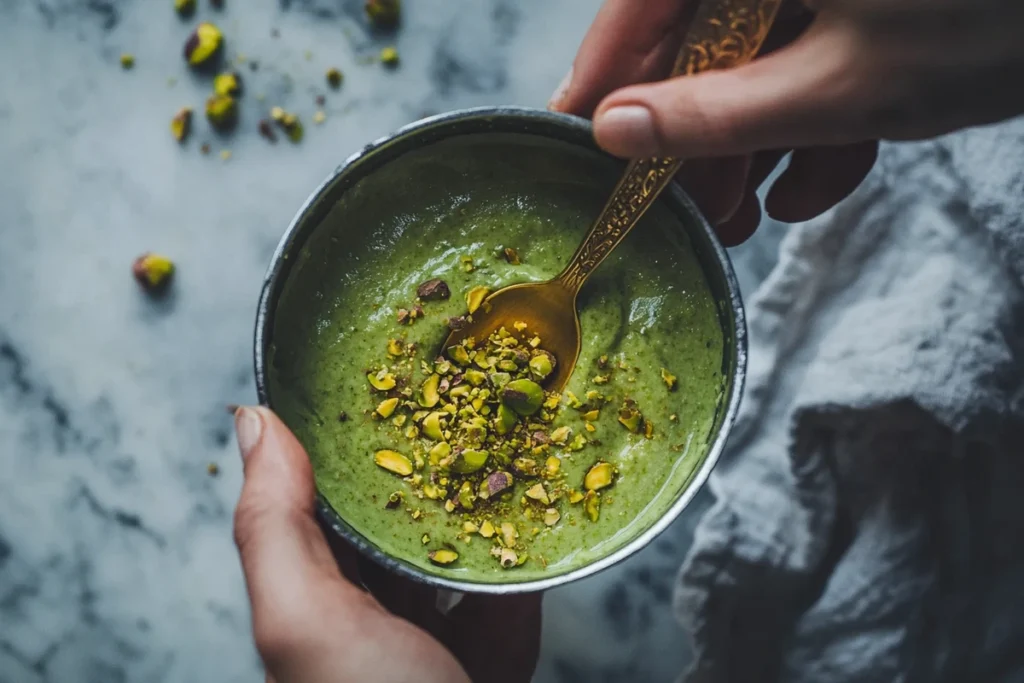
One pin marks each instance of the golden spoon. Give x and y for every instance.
(724, 34)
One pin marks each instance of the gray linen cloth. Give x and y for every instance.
(869, 523)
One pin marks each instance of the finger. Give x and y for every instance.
(479, 621)
(743, 222)
(715, 185)
(819, 178)
(746, 217)
(285, 558)
(799, 96)
(628, 42)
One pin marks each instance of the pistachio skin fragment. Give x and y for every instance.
(203, 45)
(393, 462)
(153, 271)
(443, 556)
(511, 256)
(433, 290)
(498, 482)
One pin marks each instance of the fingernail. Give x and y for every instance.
(249, 428)
(628, 130)
(560, 91)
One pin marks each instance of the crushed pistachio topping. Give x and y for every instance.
(127, 61)
(477, 427)
(669, 379)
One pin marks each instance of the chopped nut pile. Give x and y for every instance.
(472, 433)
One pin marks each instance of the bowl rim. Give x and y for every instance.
(575, 130)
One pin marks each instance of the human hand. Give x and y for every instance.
(836, 80)
(312, 625)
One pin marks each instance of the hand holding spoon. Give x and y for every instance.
(724, 34)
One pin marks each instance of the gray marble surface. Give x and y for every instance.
(116, 561)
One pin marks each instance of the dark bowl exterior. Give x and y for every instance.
(571, 129)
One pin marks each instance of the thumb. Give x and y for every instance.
(285, 558)
(798, 96)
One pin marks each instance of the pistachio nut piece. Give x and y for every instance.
(181, 124)
(429, 395)
(153, 271)
(432, 426)
(394, 462)
(508, 558)
(506, 420)
(629, 417)
(439, 452)
(561, 435)
(221, 111)
(459, 354)
(228, 83)
(600, 475)
(592, 505)
(203, 45)
(443, 556)
(386, 407)
(523, 396)
(469, 460)
(537, 493)
(381, 381)
(475, 297)
(551, 517)
(669, 379)
(542, 364)
(466, 495)
(486, 529)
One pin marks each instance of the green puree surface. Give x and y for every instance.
(647, 307)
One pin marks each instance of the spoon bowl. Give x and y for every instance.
(549, 311)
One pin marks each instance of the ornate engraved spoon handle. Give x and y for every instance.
(724, 34)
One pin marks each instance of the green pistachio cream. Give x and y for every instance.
(450, 459)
